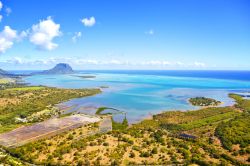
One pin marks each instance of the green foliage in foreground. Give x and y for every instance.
(153, 137)
(146, 140)
(235, 131)
(7, 159)
(241, 103)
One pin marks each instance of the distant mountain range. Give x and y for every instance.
(7, 74)
(4, 73)
(60, 68)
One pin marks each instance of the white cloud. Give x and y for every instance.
(1, 17)
(76, 36)
(199, 64)
(83, 62)
(43, 33)
(179, 63)
(91, 61)
(88, 22)
(113, 62)
(8, 11)
(17, 60)
(7, 38)
(1, 5)
(156, 62)
(166, 63)
(152, 62)
(150, 32)
(23, 34)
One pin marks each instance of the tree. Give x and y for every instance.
(125, 121)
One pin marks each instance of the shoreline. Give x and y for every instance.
(149, 115)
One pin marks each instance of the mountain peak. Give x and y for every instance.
(63, 66)
(60, 68)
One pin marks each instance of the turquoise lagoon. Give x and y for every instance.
(141, 95)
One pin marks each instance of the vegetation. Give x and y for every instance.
(101, 109)
(221, 138)
(202, 117)
(203, 101)
(241, 103)
(27, 88)
(19, 103)
(7, 159)
(235, 131)
(120, 126)
(202, 121)
(6, 80)
(7, 83)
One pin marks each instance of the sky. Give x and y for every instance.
(125, 34)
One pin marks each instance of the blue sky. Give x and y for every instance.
(125, 34)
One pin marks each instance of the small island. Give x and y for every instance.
(204, 102)
(86, 76)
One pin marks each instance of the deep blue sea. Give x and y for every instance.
(144, 93)
(220, 74)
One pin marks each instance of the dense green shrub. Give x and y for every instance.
(235, 131)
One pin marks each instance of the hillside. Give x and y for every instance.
(203, 137)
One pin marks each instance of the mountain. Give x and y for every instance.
(3, 73)
(61, 68)
(7, 74)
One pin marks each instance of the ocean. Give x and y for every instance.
(143, 93)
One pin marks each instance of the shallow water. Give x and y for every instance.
(141, 95)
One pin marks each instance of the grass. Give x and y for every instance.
(27, 88)
(9, 127)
